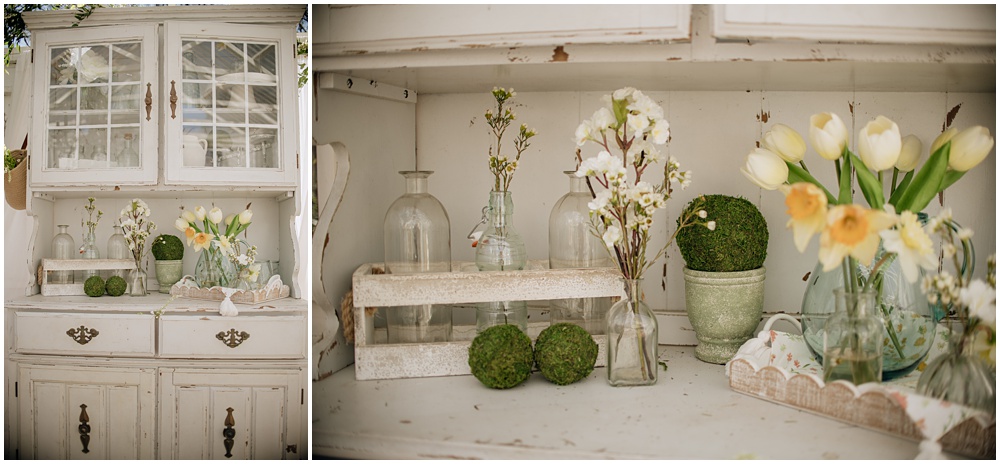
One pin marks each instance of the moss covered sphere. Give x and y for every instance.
(115, 286)
(167, 247)
(94, 286)
(565, 353)
(738, 243)
(501, 357)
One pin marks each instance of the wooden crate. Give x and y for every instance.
(76, 288)
(273, 290)
(373, 360)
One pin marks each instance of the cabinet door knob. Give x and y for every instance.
(173, 100)
(229, 432)
(84, 428)
(83, 335)
(232, 338)
(149, 100)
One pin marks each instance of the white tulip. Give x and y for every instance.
(828, 135)
(188, 216)
(229, 219)
(879, 144)
(787, 143)
(942, 139)
(245, 216)
(181, 224)
(969, 148)
(909, 156)
(199, 213)
(765, 168)
(215, 215)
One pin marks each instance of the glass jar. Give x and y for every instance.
(501, 248)
(63, 247)
(214, 268)
(852, 339)
(417, 239)
(632, 339)
(89, 250)
(960, 376)
(137, 285)
(118, 249)
(573, 244)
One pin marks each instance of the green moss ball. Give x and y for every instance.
(115, 286)
(94, 286)
(501, 357)
(565, 353)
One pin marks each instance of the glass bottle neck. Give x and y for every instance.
(576, 184)
(416, 181)
(633, 289)
(501, 210)
(63, 229)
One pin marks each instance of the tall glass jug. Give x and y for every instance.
(574, 245)
(118, 249)
(417, 240)
(63, 247)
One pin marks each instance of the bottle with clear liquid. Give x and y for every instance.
(574, 245)
(118, 249)
(417, 234)
(501, 248)
(63, 247)
(852, 339)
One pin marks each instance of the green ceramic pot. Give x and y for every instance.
(725, 309)
(168, 272)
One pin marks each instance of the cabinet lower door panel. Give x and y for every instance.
(86, 413)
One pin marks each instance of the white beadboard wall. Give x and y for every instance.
(712, 131)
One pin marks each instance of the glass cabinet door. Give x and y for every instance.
(232, 117)
(91, 89)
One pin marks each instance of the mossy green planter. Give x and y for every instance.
(725, 309)
(168, 272)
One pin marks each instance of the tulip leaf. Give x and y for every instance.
(798, 174)
(927, 182)
(871, 188)
(894, 199)
(845, 196)
(950, 177)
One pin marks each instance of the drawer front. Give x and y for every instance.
(84, 334)
(278, 337)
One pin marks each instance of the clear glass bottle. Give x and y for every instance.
(137, 282)
(118, 249)
(417, 239)
(574, 245)
(128, 156)
(63, 247)
(501, 248)
(89, 250)
(633, 339)
(852, 339)
(214, 269)
(960, 376)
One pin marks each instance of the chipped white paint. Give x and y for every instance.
(52, 265)
(374, 359)
(366, 87)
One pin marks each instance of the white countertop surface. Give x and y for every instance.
(690, 413)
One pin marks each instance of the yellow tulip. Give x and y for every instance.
(828, 135)
(879, 144)
(807, 207)
(784, 141)
(765, 168)
(969, 148)
(909, 156)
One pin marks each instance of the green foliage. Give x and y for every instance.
(565, 353)
(738, 243)
(501, 357)
(94, 286)
(167, 247)
(115, 286)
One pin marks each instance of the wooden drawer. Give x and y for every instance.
(282, 337)
(84, 334)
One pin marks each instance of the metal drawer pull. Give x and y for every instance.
(232, 338)
(84, 428)
(229, 432)
(149, 100)
(83, 335)
(173, 101)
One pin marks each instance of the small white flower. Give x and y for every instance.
(964, 233)
(600, 202)
(660, 131)
(981, 299)
(637, 123)
(949, 250)
(710, 225)
(611, 236)
(702, 214)
(602, 119)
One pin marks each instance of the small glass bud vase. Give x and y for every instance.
(89, 250)
(573, 245)
(632, 339)
(501, 248)
(137, 279)
(118, 249)
(852, 339)
(417, 234)
(960, 376)
(63, 247)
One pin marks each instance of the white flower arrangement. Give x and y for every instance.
(202, 228)
(136, 228)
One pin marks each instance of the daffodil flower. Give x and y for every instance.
(807, 207)
(910, 241)
(202, 241)
(852, 230)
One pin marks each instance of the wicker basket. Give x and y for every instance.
(15, 184)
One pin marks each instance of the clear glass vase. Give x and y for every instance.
(89, 251)
(137, 283)
(960, 376)
(574, 245)
(852, 339)
(632, 339)
(214, 268)
(118, 249)
(63, 247)
(417, 236)
(501, 248)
